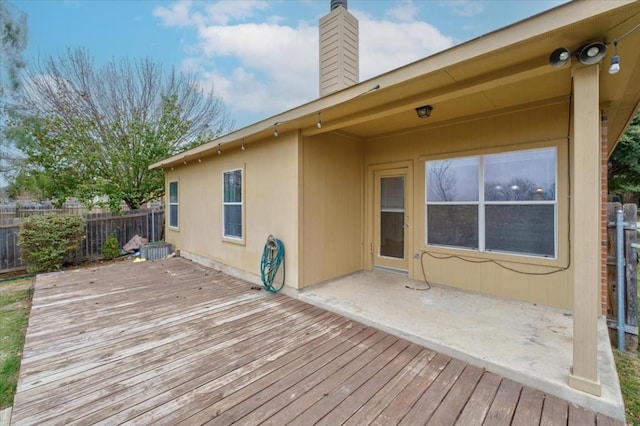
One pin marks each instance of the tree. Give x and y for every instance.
(442, 181)
(624, 164)
(91, 132)
(13, 41)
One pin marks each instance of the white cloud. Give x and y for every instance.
(223, 12)
(405, 12)
(465, 8)
(386, 45)
(179, 14)
(265, 66)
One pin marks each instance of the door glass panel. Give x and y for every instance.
(392, 217)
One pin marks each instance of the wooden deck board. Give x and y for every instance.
(456, 399)
(504, 404)
(529, 407)
(173, 342)
(478, 405)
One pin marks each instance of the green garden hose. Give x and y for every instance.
(272, 257)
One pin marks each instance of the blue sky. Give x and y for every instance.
(261, 57)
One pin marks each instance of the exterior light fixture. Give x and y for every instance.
(424, 111)
(614, 68)
(592, 53)
(275, 130)
(319, 123)
(589, 54)
(615, 61)
(243, 147)
(559, 57)
(219, 150)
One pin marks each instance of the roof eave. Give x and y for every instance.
(535, 26)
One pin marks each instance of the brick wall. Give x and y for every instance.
(604, 145)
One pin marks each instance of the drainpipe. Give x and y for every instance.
(620, 278)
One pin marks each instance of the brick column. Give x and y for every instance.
(604, 159)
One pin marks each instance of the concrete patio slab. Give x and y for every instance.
(522, 341)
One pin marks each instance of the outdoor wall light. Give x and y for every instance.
(424, 111)
(592, 53)
(589, 54)
(243, 147)
(219, 149)
(559, 57)
(275, 130)
(319, 123)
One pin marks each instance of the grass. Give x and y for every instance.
(15, 304)
(628, 366)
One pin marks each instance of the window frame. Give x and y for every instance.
(176, 203)
(481, 205)
(233, 238)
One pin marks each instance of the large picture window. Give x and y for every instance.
(232, 204)
(500, 202)
(173, 204)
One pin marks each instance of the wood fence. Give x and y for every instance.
(146, 222)
(630, 217)
(22, 211)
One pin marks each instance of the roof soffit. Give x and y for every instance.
(500, 59)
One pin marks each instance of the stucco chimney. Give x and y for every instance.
(338, 49)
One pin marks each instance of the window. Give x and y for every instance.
(173, 204)
(500, 202)
(232, 204)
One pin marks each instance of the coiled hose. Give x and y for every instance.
(272, 257)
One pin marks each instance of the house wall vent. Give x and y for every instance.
(339, 50)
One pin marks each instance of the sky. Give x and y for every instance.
(260, 57)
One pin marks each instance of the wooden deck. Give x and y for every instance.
(172, 342)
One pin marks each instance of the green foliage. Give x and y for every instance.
(14, 306)
(46, 240)
(13, 41)
(628, 366)
(111, 248)
(91, 133)
(624, 164)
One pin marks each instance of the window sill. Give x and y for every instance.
(507, 258)
(236, 241)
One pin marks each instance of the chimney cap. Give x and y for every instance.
(337, 3)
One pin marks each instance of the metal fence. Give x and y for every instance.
(146, 222)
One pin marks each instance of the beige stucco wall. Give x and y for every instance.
(545, 126)
(270, 182)
(331, 211)
(315, 194)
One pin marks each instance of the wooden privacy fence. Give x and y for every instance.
(145, 222)
(630, 279)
